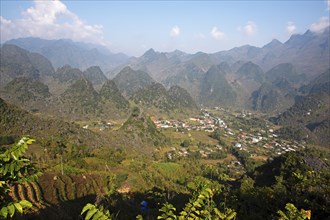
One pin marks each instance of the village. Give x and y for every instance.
(239, 131)
(260, 142)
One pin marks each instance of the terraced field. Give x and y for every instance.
(56, 196)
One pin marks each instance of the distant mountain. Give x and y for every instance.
(311, 111)
(160, 65)
(110, 93)
(264, 79)
(30, 82)
(80, 99)
(283, 70)
(177, 55)
(203, 60)
(151, 55)
(62, 78)
(129, 81)
(279, 90)
(153, 63)
(156, 96)
(273, 97)
(215, 89)
(251, 71)
(318, 85)
(308, 52)
(95, 75)
(224, 66)
(273, 45)
(181, 98)
(67, 74)
(244, 53)
(244, 70)
(187, 77)
(27, 93)
(17, 62)
(66, 52)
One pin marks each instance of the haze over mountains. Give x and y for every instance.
(76, 54)
(77, 80)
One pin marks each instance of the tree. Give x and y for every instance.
(200, 206)
(185, 143)
(15, 169)
(216, 135)
(292, 213)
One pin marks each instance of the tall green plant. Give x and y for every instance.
(15, 169)
(95, 212)
(200, 206)
(292, 213)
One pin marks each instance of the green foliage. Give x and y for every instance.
(301, 178)
(15, 169)
(167, 212)
(245, 158)
(200, 206)
(95, 213)
(110, 91)
(292, 213)
(216, 135)
(135, 112)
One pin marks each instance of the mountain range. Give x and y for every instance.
(310, 112)
(72, 80)
(76, 54)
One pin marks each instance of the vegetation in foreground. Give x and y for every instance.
(297, 181)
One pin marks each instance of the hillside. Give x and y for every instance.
(215, 90)
(17, 62)
(188, 77)
(318, 84)
(129, 81)
(139, 133)
(17, 122)
(181, 98)
(80, 99)
(110, 93)
(67, 74)
(250, 71)
(283, 70)
(308, 52)
(95, 75)
(27, 93)
(297, 177)
(312, 110)
(273, 97)
(155, 96)
(67, 52)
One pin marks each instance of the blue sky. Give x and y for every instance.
(133, 27)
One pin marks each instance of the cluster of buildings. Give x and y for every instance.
(266, 140)
(204, 122)
(257, 141)
(101, 125)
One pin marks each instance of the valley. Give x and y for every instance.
(155, 128)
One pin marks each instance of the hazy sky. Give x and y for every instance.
(133, 27)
